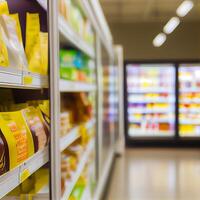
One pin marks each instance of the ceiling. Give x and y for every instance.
(145, 10)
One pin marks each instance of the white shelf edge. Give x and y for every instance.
(76, 175)
(73, 135)
(71, 36)
(11, 179)
(13, 78)
(74, 86)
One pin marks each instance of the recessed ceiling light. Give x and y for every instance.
(159, 40)
(184, 8)
(171, 25)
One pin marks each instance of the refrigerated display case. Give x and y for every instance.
(189, 100)
(151, 99)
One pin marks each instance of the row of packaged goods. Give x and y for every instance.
(24, 130)
(72, 157)
(152, 126)
(76, 109)
(75, 66)
(12, 54)
(76, 19)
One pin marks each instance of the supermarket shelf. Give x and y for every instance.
(139, 133)
(84, 158)
(72, 86)
(190, 101)
(189, 135)
(158, 120)
(68, 34)
(12, 78)
(151, 90)
(146, 111)
(146, 100)
(190, 121)
(43, 3)
(73, 135)
(189, 90)
(189, 110)
(13, 178)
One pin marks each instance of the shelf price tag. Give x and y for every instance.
(27, 80)
(24, 175)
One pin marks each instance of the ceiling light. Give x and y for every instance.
(159, 40)
(184, 8)
(171, 25)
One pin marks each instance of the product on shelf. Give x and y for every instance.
(75, 66)
(151, 100)
(14, 45)
(36, 45)
(76, 109)
(23, 131)
(12, 52)
(18, 137)
(74, 16)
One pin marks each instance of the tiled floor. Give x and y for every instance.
(156, 174)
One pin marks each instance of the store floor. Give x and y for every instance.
(156, 174)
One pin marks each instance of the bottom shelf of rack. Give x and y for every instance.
(70, 184)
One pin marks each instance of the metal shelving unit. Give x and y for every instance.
(61, 32)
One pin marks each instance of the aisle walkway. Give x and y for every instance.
(156, 174)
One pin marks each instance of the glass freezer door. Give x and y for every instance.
(189, 100)
(151, 100)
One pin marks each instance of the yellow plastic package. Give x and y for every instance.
(18, 137)
(44, 53)
(15, 47)
(39, 131)
(33, 42)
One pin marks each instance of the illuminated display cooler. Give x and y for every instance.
(162, 103)
(189, 100)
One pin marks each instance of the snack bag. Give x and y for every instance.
(44, 52)
(15, 47)
(33, 42)
(17, 136)
(39, 132)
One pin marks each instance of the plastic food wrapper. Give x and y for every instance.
(10, 36)
(17, 136)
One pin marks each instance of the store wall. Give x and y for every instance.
(183, 43)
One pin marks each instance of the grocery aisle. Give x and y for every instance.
(156, 174)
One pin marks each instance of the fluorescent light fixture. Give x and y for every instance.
(184, 8)
(159, 40)
(171, 25)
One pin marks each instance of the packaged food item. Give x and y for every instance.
(38, 130)
(33, 42)
(4, 155)
(44, 52)
(18, 137)
(15, 47)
